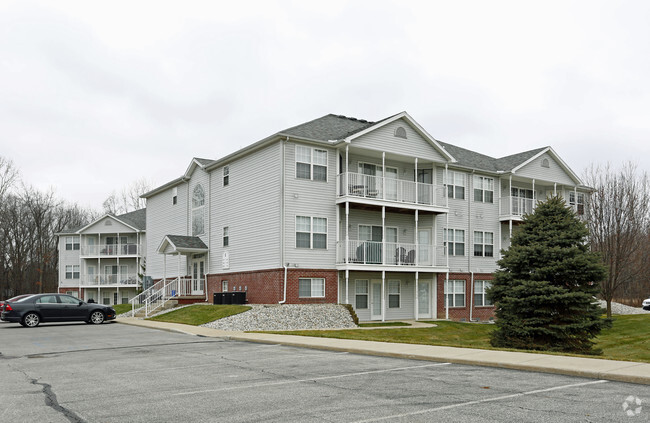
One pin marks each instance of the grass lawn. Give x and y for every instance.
(382, 324)
(200, 314)
(122, 308)
(628, 338)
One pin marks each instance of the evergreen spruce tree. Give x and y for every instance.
(545, 287)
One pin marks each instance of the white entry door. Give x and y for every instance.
(375, 302)
(425, 248)
(198, 276)
(424, 299)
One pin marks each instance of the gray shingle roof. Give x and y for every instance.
(181, 241)
(474, 160)
(328, 127)
(137, 219)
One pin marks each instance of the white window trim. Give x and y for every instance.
(366, 294)
(73, 269)
(482, 244)
(198, 209)
(450, 175)
(226, 176)
(225, 242)
(311, 163)
(312, 233)
(482, 293)
(452, 295)
(447, 242)
(311, 288)
(72, 241)
(483, 190)
(398, 293)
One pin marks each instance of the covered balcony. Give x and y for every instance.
(110, 279)
(376, 253)
(111, 250)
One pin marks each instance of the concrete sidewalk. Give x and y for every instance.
(622, 371)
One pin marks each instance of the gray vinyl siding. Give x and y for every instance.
(384, 139)
(165, 218)
(312, 199)
(250, 207)
(67, 257)
(553, 173)
(114, 227)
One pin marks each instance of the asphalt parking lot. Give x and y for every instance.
(118, 373)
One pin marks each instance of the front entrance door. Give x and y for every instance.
(425, 249)
(198, 275)
(424, 299)
(375, 303)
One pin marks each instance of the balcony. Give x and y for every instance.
(389, 254)
(112, 280)
(111, 250)
(382, 189)
(514, 208)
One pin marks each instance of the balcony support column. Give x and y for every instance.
(534, 196)
(555, 189)
(510, 199)
(347, 170)
(417, 240)
(383, 234)
(347, 286)
(416, 181)
(417, 305)
(383, 295)
(347, 232)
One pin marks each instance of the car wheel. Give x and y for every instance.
(31, 320)
(96, 317)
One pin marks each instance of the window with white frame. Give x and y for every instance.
(455, 293)
(483, 244)
(455, 241)
(455, 182)
(198, 204)
(394, 294)
(483, 189)
(311, 163)
(72, 271)
(174, 195)
(224, 286)
(361, 294)
(226, 236)
(480, 296)
(226, 176)
(311, 232)
(311, 287)
(71, 243)
(577, 203)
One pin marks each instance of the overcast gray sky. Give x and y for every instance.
(94, 95)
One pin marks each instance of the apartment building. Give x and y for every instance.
(379, 215)
(103, 260)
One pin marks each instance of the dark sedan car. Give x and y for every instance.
(16, 298)
(32, 310)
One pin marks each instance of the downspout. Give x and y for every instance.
(471, 294)
(470, 238)
(446, 247)
(282, 223)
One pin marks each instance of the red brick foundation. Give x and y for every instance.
(463, 313)
(267, 286)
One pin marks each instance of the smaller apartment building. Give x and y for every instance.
(379, 215)
(104, 261)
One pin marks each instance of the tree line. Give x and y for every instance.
(29, 222)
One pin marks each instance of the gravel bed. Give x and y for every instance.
(287, 317)
(618, 308)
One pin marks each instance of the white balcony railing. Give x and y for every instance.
(389, 253)
(95, 280)
(517, 206)
(110, 250)
(382, 188)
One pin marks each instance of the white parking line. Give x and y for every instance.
(463, 404)
(311, 379)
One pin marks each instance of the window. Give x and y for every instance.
(71, 243)
(483, 189)
(226, 175)
(198, 202)
(361, 294)
(394, 294)
(483, 244)
(226, 236)
(65, 299)
(455, 182)
(311, 232)
(480, 298)
(578, 206)
(455, 240)
(175, 195)
(47, 299)
(72, 271)
(455, 293)
(311, 163)
(311, 287)
(224, 286)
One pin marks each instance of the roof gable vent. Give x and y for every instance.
(545, 163)
(400, 132)
(108, 223)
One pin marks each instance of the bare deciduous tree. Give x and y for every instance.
(128, 199)
(618, 215)
(8, 175)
